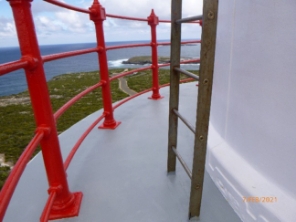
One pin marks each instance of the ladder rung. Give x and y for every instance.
(182, 162)
(190, 74)
(189, 19)
(184, 120)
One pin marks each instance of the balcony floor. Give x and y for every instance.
(122, 172)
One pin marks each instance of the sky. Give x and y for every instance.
(55, 25)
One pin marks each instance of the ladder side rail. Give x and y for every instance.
(176, 14)
(210, 12)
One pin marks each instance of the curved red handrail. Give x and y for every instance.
(68, 104)
(100, 118)
(12, 66)
(148, 44)
(127, 46)
(62, 55)
(122, 74)
(12, 180)
(141, 19)
(81, 139)
(145, 91)
(126, 17)
(63, 5)
(46, 212)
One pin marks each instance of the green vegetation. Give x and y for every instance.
(16, 117)
(146, 59)
(4, 171)
(142, 80)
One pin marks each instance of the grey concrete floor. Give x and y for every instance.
(122, 172)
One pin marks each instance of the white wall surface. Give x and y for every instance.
(253, 103)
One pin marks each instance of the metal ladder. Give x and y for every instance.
(205, 78)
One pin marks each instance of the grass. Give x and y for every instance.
(17, 121)
(142, 80)
(147, 59)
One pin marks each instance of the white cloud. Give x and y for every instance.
(54, 23)
(74, 22)
(7, 27)
(42, 6)
(137, 8)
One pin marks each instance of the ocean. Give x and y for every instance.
(15, 82)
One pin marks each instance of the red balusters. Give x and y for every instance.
(62, 203)
(153, 22)
(98, 15)
(66, 204)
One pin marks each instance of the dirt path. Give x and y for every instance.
(123, 86)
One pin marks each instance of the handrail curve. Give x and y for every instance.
(97, 14)
(67, 6)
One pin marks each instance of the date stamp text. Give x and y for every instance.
(257, 199)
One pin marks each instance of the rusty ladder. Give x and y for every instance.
(207, 56)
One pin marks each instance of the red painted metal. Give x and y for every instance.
(127, 46)
(142, 19)
(92, 126)
(81, 139)
(119, 75)
(145, 91)
(12, 66)
(62, 203)
(127, 18)
(68, 104)
(52, 57)
(98, 15)
(65, 200)
(149, 44)
(153, 22)
(70, 208)
(63, 5)
(46, 212)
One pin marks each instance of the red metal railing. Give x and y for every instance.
(62, 203)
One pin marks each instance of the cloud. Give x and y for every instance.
(7, 27)
(143, 8)
(42, 6)
(54, 23)
(74, 22)
(51, 18)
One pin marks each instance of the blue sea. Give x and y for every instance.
(15, 82)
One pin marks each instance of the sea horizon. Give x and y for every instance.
(15, 82)
(78, 43)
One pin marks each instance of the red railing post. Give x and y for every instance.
(98, 15)
(153, 22)
(66, 204)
